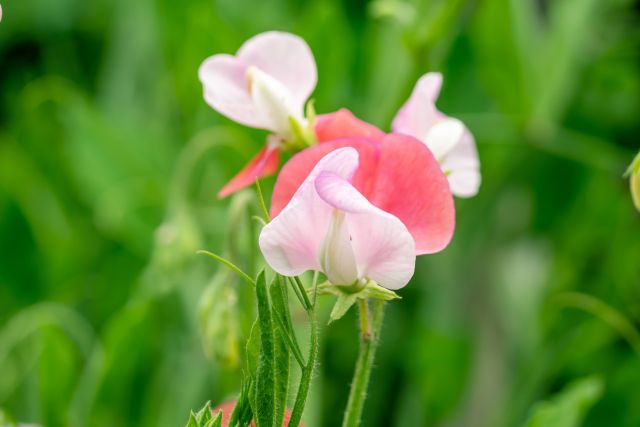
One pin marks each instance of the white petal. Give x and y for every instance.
(462, 166)
(273, 100)
(443, 137)
(337, 259)
(285, 57)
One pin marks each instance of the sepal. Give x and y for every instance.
(349, 295)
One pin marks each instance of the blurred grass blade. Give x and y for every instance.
(606, 313)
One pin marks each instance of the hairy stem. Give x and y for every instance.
(370, 326)
(307, 372)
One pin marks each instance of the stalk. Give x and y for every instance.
(370, 326)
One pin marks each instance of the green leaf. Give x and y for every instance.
(242, 414)
(567, 408)
(192, 420)
(265, 381)
(342, 305)
(280, 307)
(215, 421)
(253, 350)
(202, 417)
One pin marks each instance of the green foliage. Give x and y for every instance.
(266, 371)
(568, 408)
(110, 161)
(205, 418)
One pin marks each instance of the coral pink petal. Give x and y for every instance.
(263, 164)
(411, 186)
(296, 170)
(399, 175)
(343, 124)
(285, 57)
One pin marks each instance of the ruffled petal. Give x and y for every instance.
(285, 57)
(411, 186)
(383, 247)
(343, 124)
(262, 164)
(419, 113)
(399, 175)
(293, 241)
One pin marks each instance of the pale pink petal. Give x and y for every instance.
(383, 247)
(411, 186)
(293, 241)
(462, 166)
(285, 57)
(419, 113)
(225, 90)
(343, 124)
(263, 164)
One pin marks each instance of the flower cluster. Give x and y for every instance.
(353, 202)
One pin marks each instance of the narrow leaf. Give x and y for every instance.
(265, 381)
(280, 309)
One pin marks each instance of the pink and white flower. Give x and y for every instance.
(396, 173)
(450, 141)
(265, 86)
(329, 226)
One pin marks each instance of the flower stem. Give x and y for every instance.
(370, 327)
(307, 372)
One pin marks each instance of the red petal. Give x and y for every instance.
(343, 124)
(263, 164)
(398, 174)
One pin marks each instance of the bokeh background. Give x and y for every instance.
(110, 162)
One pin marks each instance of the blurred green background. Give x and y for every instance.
(110, 161)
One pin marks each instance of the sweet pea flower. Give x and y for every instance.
(450, 141)
(329, 226)
(396, 173)
(265, 86)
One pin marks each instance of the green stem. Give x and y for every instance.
(369, 338)
(307, 372)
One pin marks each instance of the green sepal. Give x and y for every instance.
(310, 112)
(349, 295)
(215, 421)
(201, 418)
(342, 305)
